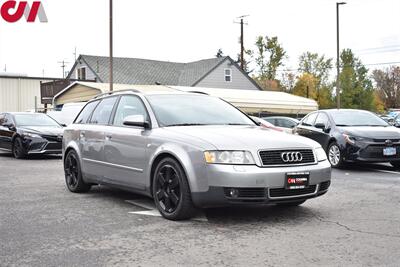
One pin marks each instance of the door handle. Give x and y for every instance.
(82, 134)
(108, 137)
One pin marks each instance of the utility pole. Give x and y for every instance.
(5, 67)
(338, 55)
(63, 65)
(75, 54)
(111, 45)
(242, 40)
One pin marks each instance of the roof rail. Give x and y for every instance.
(117, 91)
(197, 92)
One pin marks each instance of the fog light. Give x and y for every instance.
(233, 193)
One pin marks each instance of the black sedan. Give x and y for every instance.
(29, 133)
(352, 136)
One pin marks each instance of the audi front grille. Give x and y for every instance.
(287, 157)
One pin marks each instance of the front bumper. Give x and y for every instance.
(42, 146)
(259, 185)
(369, 152)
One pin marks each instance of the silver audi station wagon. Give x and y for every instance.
(188, 151)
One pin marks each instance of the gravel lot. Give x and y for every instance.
(41, 224)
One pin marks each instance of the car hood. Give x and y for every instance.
(372, 132)
(244, 137)
(42, 130)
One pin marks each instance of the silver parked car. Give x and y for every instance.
(187, 151)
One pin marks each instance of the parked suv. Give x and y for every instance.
(189, 150)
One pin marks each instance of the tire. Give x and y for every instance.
(171, 191)
(335, 156)
(291, 204)
(395, 164)
(18, 150)
(73, 174)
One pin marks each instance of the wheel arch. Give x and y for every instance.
(188, 157)
(162, 155)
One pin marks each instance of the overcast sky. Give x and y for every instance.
(183, 31)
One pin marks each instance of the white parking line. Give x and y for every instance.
(151, 210)
(144, 203)
(147, 213)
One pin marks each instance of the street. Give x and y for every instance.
(42, 224)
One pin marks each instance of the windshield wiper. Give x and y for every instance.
(343, 125)
(185, 124)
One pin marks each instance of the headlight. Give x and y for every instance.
(320, 153)
(349, 139)
(229, 157)
(31, 135)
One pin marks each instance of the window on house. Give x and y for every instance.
(228, 75)
(82, 73)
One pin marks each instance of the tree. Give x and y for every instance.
(388, 86)
(319, 68)
(248, 53)
(356, 88)
(288, 80)
(306, 86)
(316, 65)
(220, 53)
(268, 57)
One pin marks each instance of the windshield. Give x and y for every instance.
(35, 120)
(194, 109)
(356, 118)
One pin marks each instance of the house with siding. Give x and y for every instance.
(221, 72)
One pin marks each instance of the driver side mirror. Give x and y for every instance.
(10, 126)
(136, 120)
(322, 127)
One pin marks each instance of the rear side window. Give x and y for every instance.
(85, 113)
(102, 113)
(286, 123)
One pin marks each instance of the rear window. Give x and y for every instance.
(84, 116)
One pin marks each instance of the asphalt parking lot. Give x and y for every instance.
(42, 224)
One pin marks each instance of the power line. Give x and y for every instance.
(369, 64)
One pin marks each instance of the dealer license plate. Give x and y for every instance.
(389, 151)
(297, 180)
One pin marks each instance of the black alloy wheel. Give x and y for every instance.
(171, 191)
(73, 174)
(18, 150)
(395, 164)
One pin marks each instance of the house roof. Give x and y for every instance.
(151, 71)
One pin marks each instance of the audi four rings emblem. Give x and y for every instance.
(291, 157)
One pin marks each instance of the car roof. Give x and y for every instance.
(145, 93)
(25, 113)
(343, 109)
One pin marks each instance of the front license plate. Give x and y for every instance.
(297, 180)
(389, 151)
